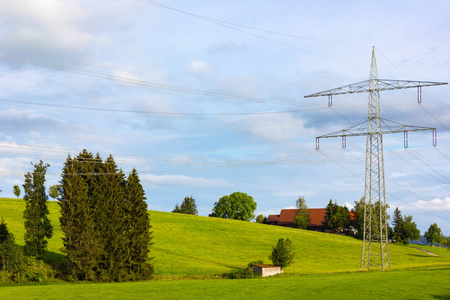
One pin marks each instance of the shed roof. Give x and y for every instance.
(265, 266)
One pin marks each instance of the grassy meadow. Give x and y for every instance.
(189, 247)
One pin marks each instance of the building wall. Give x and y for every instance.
(267, 271)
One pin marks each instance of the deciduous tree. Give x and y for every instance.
(16, 190)
(238, 206)
(260, 219)
(301, 219)
(433, 234)
(37, 224)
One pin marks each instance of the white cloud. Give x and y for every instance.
(276, 127)
(181, 180)
(437, 205)
(199, 67)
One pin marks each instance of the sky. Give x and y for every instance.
(206, 98)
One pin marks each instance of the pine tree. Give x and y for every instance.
(37, 225)
(105, 221)
(81, 239)
(399, 227)
(188, 206)
(138, 229)
(109, 195)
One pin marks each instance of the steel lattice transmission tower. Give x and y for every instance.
(375, 248)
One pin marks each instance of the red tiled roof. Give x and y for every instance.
(316, 216)
(273, 218)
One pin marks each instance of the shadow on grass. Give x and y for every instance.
(54, 257)
(443, 296)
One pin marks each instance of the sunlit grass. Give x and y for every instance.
(194, 246)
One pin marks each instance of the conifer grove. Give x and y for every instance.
(105, 221)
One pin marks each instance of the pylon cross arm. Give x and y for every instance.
(383, 85)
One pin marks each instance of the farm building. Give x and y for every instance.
(286, 218)
(267, 270)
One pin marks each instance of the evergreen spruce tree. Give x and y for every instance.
(398, 223)
(188, 206)
(109, 195)
(9, 251)
(37, 225)
(138, 229)
(81, 239)
(105, 221)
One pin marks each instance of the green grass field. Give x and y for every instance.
(200, 247)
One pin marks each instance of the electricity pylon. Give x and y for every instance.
(375, 216)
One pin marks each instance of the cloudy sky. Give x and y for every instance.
(206, 98)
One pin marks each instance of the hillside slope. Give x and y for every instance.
(186, 245)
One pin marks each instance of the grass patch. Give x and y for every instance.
(202, 247)
(426, 283)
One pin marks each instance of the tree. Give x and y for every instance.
(53, 191)
(282, 254)
(301, 219)
(105, 221)
(187, 207)
(260, 219)
(397, 222)
(9, 251)
(239, 206)
(446, 242)
(82, 243)
(337, 218)
(433, 234)
(404, 228)
(357, 222)
(176, 209)
(16, 190)
(37, 224)
(137, 229)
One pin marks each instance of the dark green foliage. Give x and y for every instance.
(53, 191)
(433, 234)
(187, 207)
(9, 251)
(81, 240)
(282, 254)
(404, 228)
(301, 219)
(239, 206)
(357, 222)
(16, 267)
(37, 225)
(242, 273)
(337, 218)
(105, 221)
(176, 209)
(446, 242)
(260, 219)
(138, 229)
(16, 190)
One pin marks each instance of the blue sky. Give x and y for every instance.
(206, 98)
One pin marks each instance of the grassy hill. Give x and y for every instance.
(192, 246)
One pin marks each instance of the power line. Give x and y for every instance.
(156, 112)
(139, 82)
(230, 26)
